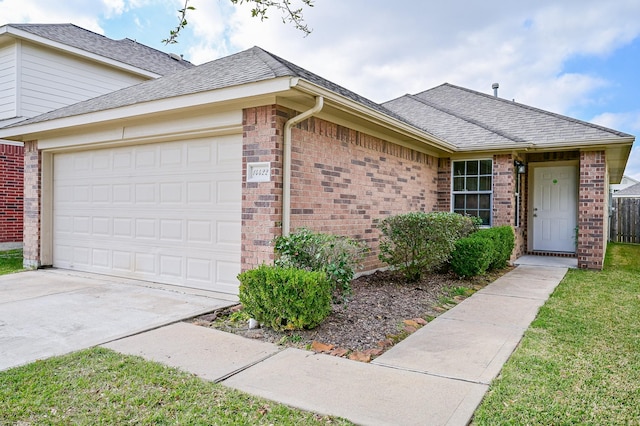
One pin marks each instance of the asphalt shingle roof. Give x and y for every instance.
(470, 119)
(249, 66)
(630, 191)
(126, 50)
(464, 118)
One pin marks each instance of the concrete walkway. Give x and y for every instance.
(437, 376)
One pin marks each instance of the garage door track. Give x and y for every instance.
(53, 312)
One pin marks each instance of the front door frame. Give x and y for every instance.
(531, 199)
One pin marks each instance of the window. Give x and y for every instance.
(472, 188)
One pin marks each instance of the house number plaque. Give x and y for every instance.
(258, 172)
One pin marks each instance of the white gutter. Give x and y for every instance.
(286, 161)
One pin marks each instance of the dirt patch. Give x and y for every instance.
(383, 310)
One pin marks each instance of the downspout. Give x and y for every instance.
(286, 161)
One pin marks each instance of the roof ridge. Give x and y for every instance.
(467, 119)
(539, 110)
(288, 68)
(276, 64)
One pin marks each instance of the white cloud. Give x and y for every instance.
(382, 50)
(85, 14)
(209, 25)
(113, 7)
(628, 122)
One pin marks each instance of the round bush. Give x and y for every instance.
(472, 256)
(285, 298)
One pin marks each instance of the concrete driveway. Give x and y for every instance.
(52, 312)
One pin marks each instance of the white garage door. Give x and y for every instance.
(165, 212)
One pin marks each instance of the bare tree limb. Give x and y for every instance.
(259, 9)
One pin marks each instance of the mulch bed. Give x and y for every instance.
(382, 311)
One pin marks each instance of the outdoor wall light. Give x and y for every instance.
(521, 168)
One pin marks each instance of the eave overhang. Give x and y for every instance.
(43, 41)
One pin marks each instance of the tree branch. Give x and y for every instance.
(259, 9)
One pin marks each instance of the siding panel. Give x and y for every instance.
(51, 80)
(7, 82)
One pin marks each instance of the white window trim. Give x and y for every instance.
(452, 192)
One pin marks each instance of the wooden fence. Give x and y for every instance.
(625, 220)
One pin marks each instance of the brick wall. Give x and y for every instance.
(503, 190)
(342, 182)
(261, 201)
(32, 192)
(444, 184)
(592, 211)
(11, 193)
(345, 181)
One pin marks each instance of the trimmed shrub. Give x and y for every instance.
(416, 243)
(336, 256)
(285, 298)
(503, 244)
(486, 249)
(472, 256)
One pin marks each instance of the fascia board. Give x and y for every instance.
(356, 108)
(552, 146)
(31, 131)
(580, 144)
(24, 35)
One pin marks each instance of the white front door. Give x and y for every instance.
(554, 209)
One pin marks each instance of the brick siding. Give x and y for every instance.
(11, 193)
(503, 190)
(261, 201)
(32, 204)
(444, 184)
(343, 182)
(592, 213)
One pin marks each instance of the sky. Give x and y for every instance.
(579, 58)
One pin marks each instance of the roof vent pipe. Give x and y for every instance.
(495, 87)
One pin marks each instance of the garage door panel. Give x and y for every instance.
(199, 231)
(165, 212)
(221, 192)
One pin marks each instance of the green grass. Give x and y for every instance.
(10, 261)
(99, 386)
(579, 362)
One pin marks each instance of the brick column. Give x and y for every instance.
(592, 240)
(261, 201)
(444, 185)
(32, 204)
(503, 190)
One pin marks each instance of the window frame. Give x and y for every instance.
(478, 192)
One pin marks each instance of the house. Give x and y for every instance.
(186, 179)
(625, 182)
(45, 67)
(632, 191)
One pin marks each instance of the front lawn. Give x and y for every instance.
(579, 362)
(99, 386)
(10, 261)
